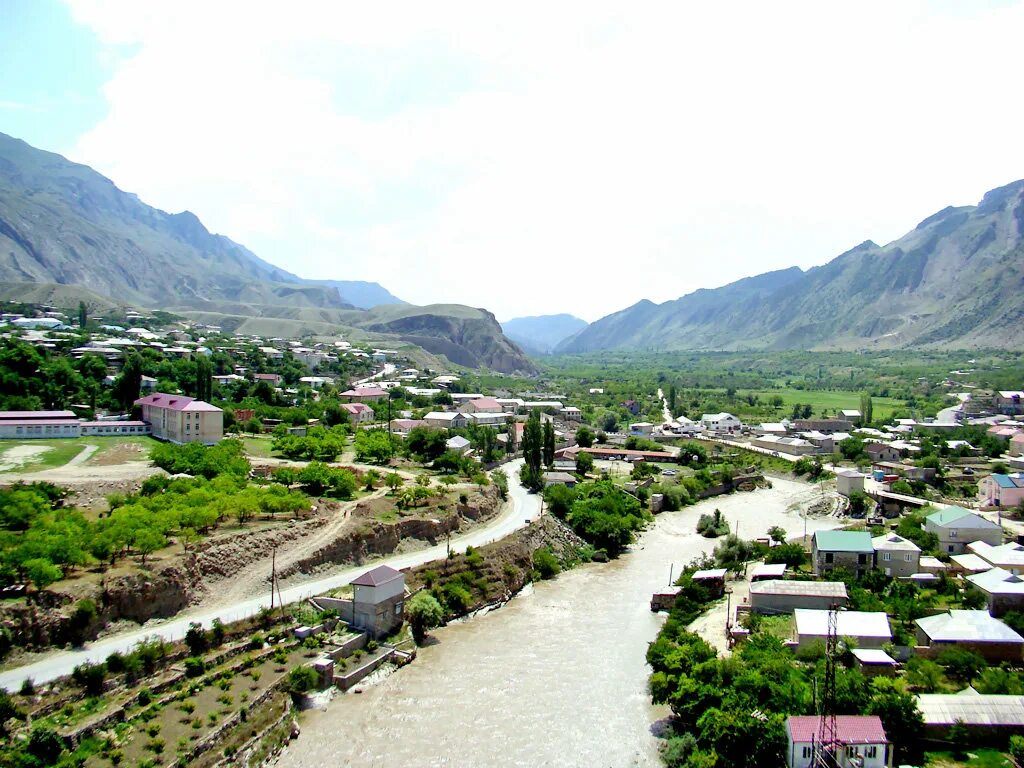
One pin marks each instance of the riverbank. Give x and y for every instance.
(556, 677)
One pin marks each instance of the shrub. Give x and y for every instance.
(194, 666)
(302, 679)
(546, 563)
(28, 688)
(90, 677)
(145, 697)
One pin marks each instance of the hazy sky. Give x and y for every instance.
(530, 158)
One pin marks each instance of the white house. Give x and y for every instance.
(459, 444)
(721, 422)
(862, 742)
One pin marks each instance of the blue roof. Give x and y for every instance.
(843, 541)
(1007, 481)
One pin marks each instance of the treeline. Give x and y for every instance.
(604, 516)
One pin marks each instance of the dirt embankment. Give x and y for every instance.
(236, 565)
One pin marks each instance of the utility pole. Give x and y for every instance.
(671, 570)
(273, 574)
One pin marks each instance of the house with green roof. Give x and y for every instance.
(957, 527)
(851, 550)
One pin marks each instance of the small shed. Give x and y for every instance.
(712, 579)
(664, 598)
(929, 564)
(874, 662)
(766, 571)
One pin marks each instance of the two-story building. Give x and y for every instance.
(957, 527)
(998, 490)
(721, 422)
(850, 550)
(896, 556)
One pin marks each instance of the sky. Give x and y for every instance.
(535, 158)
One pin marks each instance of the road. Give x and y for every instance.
(387, 370)
(665, 412)
(522, 508)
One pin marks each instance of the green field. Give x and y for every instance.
(26, 456)
(828, 400)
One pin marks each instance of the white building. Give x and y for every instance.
(862, 741)
(721, 422)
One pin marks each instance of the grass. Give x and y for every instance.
(111, 450)
(779, 626)
(978, 758)
(883, 407)
(258, 447)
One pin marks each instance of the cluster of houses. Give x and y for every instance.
(977, 555)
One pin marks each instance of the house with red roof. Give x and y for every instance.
(860, 741)
(482, 405)
(364, 395)
(358, 413)
(181, 419)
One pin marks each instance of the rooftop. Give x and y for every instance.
(843, 541)
(967, 626)
(951, 515)
(766, 570)
(835, 589)
(873, 656)
(970, 563)
(1007, 555)
(382, 574)
(998, 582)
(971, 708)
(892, 541)
(848, 623)
(850, 729)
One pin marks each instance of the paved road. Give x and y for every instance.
(524, 507)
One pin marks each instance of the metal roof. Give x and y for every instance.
(712, 573)
(850, 729)
(998, 582)
(967, 626)
(835, 589)
(971, 708)
(892, 541)
(951, 515)
(971, 563)
(768, 569)
(860, 624)
(873, 656)
(382, 574)
(843, 541)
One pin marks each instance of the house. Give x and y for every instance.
(615, 454)
(482, 405)
(559, 478)
(316, 382)
(881, 452)
(851, 550)
(492, 420)
(273, 379)
(896, 556)
(973, 630)
(510, 404)
(989, 718)
(957, 527)
(1010, 402)
(853, 416)
(822, 425)
(712, 579)
(969, 563)
(867, 629)
(1016, 447)
(572, 413)
(364, 395)
(721, 422)
(378, 600)
(1003, 590)
(999, 490)
(1009, 556)
(641, 428)
(181, 419)
(632, 406)
(402, 427)
(777, 596)
(446, 419)
(849, 481)
(29, 425)
(358, 413)
(860, 741)
(794, 446)
(459, 444)
(928, 564)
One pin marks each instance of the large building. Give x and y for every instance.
(181, 419)
(35, 425)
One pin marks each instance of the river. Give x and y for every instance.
(554, 678)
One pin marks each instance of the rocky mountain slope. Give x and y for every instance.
(63, 224)
(540, 334)
(954, 281)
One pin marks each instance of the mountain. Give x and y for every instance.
(540, 334)
(64, 224)
(954, 281)
(360, 293)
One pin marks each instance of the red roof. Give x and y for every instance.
(485, 402)
(28, 415)
(267, 376)
(176, 402)
(356, 407)
(382, 574)
(365, 392)
(850, 729)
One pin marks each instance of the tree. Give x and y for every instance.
(426, 443)
(83, 315)
(902, 720)
(148, 541)
(924, 674)
(584, 437)
(672, 399)
(393, 481)
(129, 383)
(424, 612)
(548, 450)
(204, 378)
(584, 463)
(777, 534)
(41, 572)
(961, 664)
(866, 409)
(852, 448)
(302, 680)
(533, 446)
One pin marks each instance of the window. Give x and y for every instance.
(871, 751)
(887, 556)
(952, 533)
(807, 752)
(950, 548)
(862, 559)
(829, 557)
(907, 558)
(398, 609)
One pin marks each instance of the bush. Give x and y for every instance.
(194, 666)
(90, 677)
(546, 564)
(302, 680)
(424, 612)
(713, 526)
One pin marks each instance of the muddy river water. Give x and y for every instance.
(554, 678)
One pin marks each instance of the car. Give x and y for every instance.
(669, 472)
(968, 471)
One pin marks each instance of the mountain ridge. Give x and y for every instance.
(540, 334)
(953, 281)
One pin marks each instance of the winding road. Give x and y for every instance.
(521, 508)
